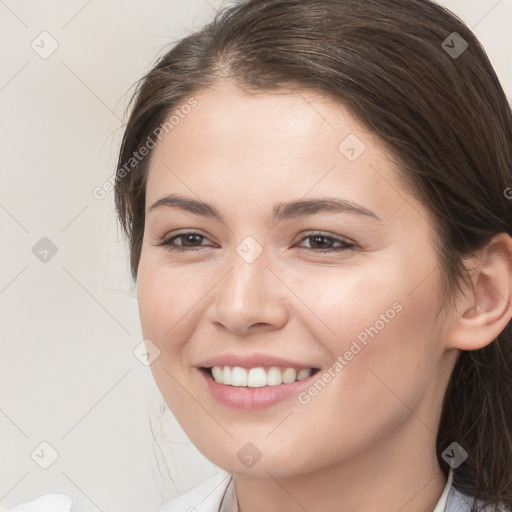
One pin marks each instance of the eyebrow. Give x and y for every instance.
(281, 211)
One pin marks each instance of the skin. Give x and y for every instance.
(367, 440)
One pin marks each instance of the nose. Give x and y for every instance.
(249, 298)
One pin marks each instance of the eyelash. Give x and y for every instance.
(167, 243)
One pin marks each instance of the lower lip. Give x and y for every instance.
(252, 398)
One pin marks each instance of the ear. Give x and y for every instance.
(485, 311)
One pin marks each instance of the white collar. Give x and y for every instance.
(218, 494)
(441, 504)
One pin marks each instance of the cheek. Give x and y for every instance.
(169, 304)
(386, 348)
(342, 303)
(380, 327)
(169, 311)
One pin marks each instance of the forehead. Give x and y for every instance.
(279, 119)
(272, 146)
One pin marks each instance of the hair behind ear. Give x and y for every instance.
(477, 414)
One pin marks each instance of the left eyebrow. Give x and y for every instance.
(281, 211)
(306, 207)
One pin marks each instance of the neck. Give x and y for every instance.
(376, 479)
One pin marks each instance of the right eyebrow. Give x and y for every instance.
(280, 212)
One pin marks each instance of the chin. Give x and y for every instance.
(255, 460)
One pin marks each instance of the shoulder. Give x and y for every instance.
(205, 497)
(54, 502)
(459, 502)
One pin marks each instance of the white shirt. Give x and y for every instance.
(218, 494)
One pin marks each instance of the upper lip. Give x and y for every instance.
(251, 361)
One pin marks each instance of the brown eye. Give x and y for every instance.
(320, 242)
(189, 241)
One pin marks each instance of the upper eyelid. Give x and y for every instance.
(184, 233)
(307, 234)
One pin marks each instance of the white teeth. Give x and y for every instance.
(257, 377)
(274, 376)
(289, 375)
(218, 373)
(226, 375)
(304, 373)
(238, 376)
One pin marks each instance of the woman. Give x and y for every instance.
(317, 201)
(316, 197)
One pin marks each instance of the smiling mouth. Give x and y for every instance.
(257, 377)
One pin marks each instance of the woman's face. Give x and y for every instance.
(277, 276)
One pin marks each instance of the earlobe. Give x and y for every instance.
(484, 313)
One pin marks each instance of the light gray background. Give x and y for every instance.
(68, 375)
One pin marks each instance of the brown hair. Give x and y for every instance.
(432, 97)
